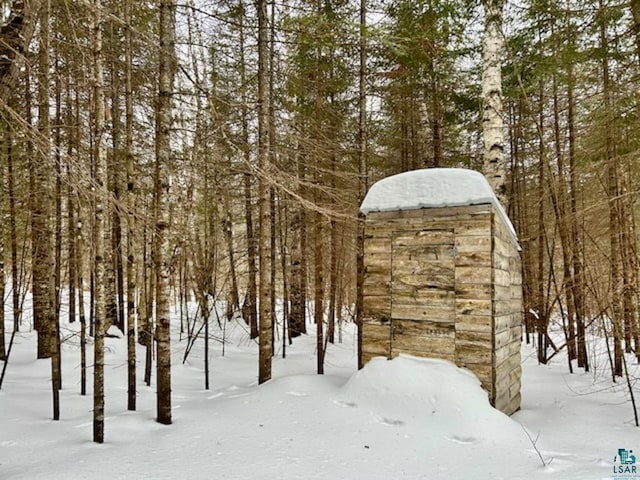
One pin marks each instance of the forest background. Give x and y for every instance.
(154, 153)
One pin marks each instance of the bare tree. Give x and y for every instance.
(264, 235)
(362, 170)
(99, 199)
(131, 202)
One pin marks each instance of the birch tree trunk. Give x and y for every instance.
(163, 158)
(492, 122)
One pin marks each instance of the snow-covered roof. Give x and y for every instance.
(431, 188)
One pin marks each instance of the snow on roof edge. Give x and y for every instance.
(434, 188)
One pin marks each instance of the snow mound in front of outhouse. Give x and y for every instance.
(446, 401)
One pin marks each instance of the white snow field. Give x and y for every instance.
(408, 418)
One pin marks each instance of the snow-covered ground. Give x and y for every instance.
(406, 418)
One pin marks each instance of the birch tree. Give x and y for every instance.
(492, 122)
(166, 71)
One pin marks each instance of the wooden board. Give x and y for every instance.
(376, 338)
(418, 336)
(423, 293)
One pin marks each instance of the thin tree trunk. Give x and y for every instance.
(57, 272)
(271, 133)
(296, 317)
(71, 213)
(116, 178)
(578, 276)
(264, 293)
(206, 313)
(83, 321)
(333, 281)
(613, 191)
(316, 155)
(333, 261)
(57, 141)
(635, 13)
(15, 268)
(100, 197)
(5, 134)
(249, 309)
(227, 227)
(630, 265)
(43, 262)
(147, 307)
(131, 202)
(284, 242)
(362, 172)
(162, 255)
(272, 261)
(559, 199)
(297, 321)
(318, 297)
(541, 240)
(41, 197)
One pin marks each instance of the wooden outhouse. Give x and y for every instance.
(443, 277)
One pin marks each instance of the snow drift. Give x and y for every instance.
(446, 400)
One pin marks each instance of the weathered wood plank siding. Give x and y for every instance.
(446, 283)
(473, 294)
(376, 328)
(507, 305)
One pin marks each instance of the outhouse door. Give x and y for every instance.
(423, 304)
